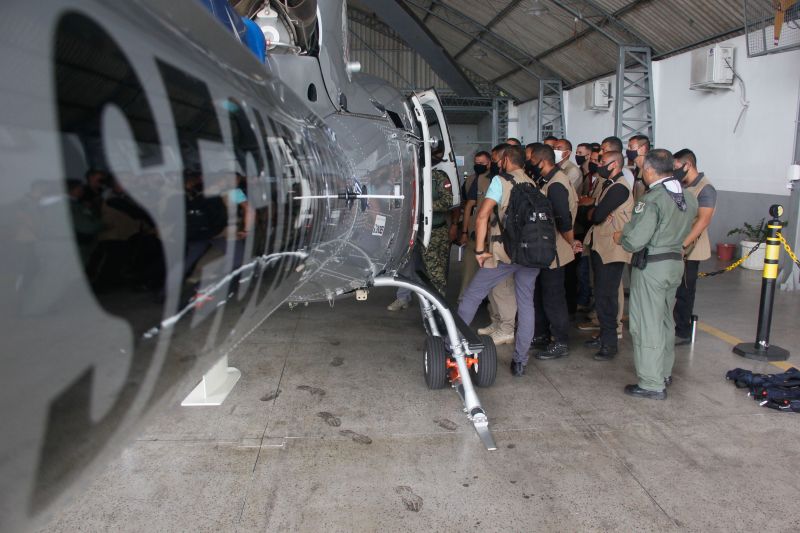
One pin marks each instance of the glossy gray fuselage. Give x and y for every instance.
(128, 133)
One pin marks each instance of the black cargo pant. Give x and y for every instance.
(684, 300)
(607, 278)
(550, 305)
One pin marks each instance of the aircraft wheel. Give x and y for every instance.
(435, 363)
(485, 370)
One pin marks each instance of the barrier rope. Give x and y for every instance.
(733, 266)
(788, 249)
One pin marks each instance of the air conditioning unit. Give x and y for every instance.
(712, 68)
(598, 95)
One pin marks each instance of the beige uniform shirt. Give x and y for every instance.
(601, 236)
(702, 246)
(565, 253)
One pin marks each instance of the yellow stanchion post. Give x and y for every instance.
(761, 350)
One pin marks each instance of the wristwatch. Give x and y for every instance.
(480, 252)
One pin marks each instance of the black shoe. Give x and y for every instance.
(540, 342)
(554, 351)
(668, 381)
(594, 342)
(606, 353)
(517, 369)
(682, 341)
(636, 390)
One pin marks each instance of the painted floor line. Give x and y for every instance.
(733, 341)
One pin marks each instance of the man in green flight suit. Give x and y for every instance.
(661, 220)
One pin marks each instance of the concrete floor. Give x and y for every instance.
(331, 428)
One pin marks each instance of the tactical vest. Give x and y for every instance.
(639, 188)
(573, 172)
(483, 185)
(601, 236)
(496, 246)
(565, 253)
(702, 246)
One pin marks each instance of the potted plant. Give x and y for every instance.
(752, 234)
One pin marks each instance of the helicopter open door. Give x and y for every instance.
(427, 195)
(437, 128)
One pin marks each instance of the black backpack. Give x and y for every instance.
(528, 227)
(206, 217)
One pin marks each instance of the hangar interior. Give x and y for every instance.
(331, 426)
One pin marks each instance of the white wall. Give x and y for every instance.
(465, 142)
(527, 121)
(586, 125)
(755, 158)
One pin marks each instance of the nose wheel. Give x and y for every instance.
(439, 368)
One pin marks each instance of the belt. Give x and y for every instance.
(436, 226)
(666, 256)
(496, 238)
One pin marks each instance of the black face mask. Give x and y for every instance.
(593, 168)
(494, 170)
(580, 159)
(480, 169)
(532, 170)
(631, 154)
(604, 171)
(679, 173)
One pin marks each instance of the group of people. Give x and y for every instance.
(615, 209)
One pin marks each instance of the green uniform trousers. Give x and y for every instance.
(436, 257)
(652, 326)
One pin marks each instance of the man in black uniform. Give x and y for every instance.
(612, 212)
(550, 299)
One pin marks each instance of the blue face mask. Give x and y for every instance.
(631, 154)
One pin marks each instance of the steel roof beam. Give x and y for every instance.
(610, 18)
(523, 67)
(489, 25)
(563, 44)
(417, 36)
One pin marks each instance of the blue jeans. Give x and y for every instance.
(524, 280)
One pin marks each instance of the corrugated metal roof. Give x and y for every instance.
(576, 40)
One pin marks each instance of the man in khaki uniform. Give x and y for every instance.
(569, 168)
(550, 301)
(495, 263)
(696, 246)
(474, 191)
(638, 146)
(610, 214)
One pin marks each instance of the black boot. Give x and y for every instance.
(606, 353)
(554, 351)
(517, 369)
(594, 342)
(540, 342)
(636, 390)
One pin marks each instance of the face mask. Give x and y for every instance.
(532, 170)
(679, 173)
(559, 156)
(494, 170)
(580, 159)
(631, 154)
(480, 169)
(593, 167)
(604, 171)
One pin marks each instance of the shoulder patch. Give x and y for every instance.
(639, 207)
